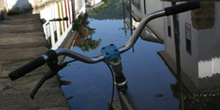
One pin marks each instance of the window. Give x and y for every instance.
(169, 25)
(188, 38)
(145, 7)
(55, 31)
(48, 34)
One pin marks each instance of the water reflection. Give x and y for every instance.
(84, 39)
(154, 87)
(86, 43)
(112, 9)
(194, 58)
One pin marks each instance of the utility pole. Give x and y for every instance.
(124, 17)
(131, 21)
(178, 62)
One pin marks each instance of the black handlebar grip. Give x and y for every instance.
(193, 4)
(27, 68)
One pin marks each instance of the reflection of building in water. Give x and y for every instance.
(155, 29)
(79, 7)
(93, 2)
(84, 39)
(198, 37)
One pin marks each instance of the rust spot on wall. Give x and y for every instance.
(204, 18)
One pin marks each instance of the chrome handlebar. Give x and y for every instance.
(122, 49)
(192, 4)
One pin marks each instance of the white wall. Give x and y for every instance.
(17, 6)
(157, 25)
(209, 44)
(79, 7)
(169, 45)
(57, 28)
(204, 59)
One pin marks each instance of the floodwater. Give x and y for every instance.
(150, 77)
(146, 73)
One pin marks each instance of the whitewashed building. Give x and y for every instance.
(56, 30)
(57, 16)
(79, 7)
(199, 40)
(141, 8)
(17, 6)
(199, 45)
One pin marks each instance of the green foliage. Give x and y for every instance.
(83, 40)
(80, 22)
(89, 44)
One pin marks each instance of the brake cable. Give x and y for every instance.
(113, 87)
(54, 69)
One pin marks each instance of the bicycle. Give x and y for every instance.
(110, 55)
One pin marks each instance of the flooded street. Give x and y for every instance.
(146, 73)
(149, 80)
(174, 65)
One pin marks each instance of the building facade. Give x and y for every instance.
(198, 37)
(56, 15)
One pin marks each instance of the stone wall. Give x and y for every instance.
(204, 17)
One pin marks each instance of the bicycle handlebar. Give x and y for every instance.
(27, 68)
(193, 4)
(166, 12)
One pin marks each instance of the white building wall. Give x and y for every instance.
(204, 59)
(169, 44)
(189, 61)
(57, 31)
(209, 43)
(79, 7)
(157, 25)
(17, 6)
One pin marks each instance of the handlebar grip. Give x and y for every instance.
(193, 4)
(27, 68)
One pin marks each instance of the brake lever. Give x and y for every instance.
(53, 71)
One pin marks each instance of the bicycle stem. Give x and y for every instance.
(126, 99)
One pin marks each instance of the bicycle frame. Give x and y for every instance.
(126, 99)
